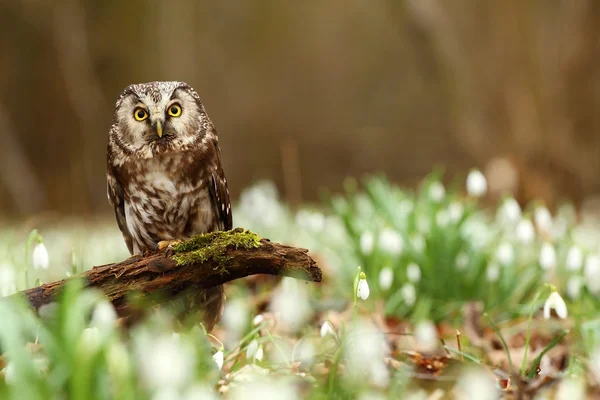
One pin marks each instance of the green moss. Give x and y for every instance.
(213, 246)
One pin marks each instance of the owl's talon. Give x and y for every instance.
(167, 246)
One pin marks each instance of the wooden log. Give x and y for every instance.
(201, 262)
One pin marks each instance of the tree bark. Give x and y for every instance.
(160, 273)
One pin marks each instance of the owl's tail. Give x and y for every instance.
(209, 303)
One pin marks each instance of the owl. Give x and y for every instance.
(164, 174)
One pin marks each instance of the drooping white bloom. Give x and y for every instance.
(251, 349)
(312, 220)
(455, 212)
(235, 316)
(418, 243)
(391, 242)
(591, 273)
(258, 319)
(574, 286)
(571, 388)
(477, 384)
(547, 256)
(258, 356)
(90, 339)
(8, 280)
(367, 242)
(492, 272)
(103, 316)
(525, 231)
(442, 218)
(118, 360)
(409, 294)
(476, 183)
(171, 362)
(574, 259)
(386, 278)
(365, 351)
(40, 256)
(218, 358)
(291, 304)
(505, 253)
(437, 191)
(543, 219)
(462, 261)
(556, 303)
(327, 329)
(509, 212)
(426, 336)
(413, 272)
(363, 288)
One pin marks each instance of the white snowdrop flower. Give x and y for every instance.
(365, 350)
(525, 231)
(462, 261)
(290, 304)
(437, 191)
(327, 329)
(547, 256)
(118, 360)
(363, 287)
(492, 272)
(543, 219)
(171, 363)
(103, 316)
(257, 320)
(313, 220)
(556, 303)
(595, 363)
(426, 336)
(455, 211)
(442, 218)
(367, 242)
(386, 278)
(571, 388)
(304, 352)
(405, 207)
(574, 286)
(409, 294)
(200, 392)
(423, 223)
(218, 358)
(258, 356)
(418, 243)
(90, 339)
(509, 212)
(9, 373)
(591, 273)
(476, 384)
(505, 253)
(476, 183)
(235, 316)
(574, 259)
(8, 280)
(40, 256)
(391, 242)
(252, 349)
(258, 387)
(413, 272)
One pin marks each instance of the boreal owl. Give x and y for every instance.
(165, 179)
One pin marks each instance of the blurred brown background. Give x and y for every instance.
(307, 93)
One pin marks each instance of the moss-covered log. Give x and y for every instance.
(201, 262)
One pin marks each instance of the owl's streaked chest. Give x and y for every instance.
(163, 201)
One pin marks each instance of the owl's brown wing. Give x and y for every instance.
(219, 195)
(115, 198)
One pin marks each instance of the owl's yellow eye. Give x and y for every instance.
(174, 110)
(140, 114)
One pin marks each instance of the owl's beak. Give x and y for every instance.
(159, 128)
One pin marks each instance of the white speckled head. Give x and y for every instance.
(158, 116)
